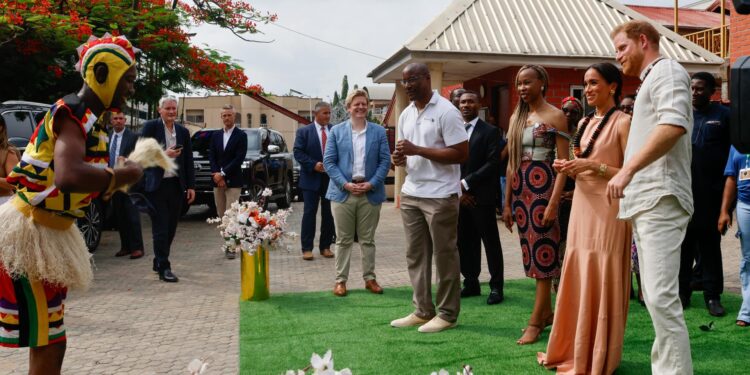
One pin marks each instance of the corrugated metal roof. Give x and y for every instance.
(564, 28)
(691, 18)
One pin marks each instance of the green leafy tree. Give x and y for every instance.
(344, 87)
(38, 40)
(336, 98)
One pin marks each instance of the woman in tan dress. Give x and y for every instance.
(592, 303)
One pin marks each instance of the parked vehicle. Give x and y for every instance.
(19, 118)
(296, 192)
(270, 166)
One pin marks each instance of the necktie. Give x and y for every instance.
(113, 151)
(467, 127)
(323, 137)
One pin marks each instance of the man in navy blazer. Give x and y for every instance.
(309, 145)
(476, 214)
(226, 153)
(167, 191)
(121, 143)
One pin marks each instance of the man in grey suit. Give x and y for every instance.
(121, 144)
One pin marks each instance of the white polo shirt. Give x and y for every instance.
(664, 99)
(438, 126)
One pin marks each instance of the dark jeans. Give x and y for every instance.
(167, 200)
(703, 240)
(477, 225)
(128, 221)
(309, 216)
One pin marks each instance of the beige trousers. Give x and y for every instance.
(224, 197)
(658, 234)
(430, 225)
(356, 214)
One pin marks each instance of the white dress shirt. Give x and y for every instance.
(319, 129)
(170, 138)
(359, 139)
(227, 135)
(469, 132)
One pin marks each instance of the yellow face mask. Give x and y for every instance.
(116, 53)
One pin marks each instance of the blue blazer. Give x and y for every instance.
(339, 161)
(185, 169)
(228, 159)
(308, 152)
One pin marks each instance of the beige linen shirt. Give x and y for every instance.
(663, 99)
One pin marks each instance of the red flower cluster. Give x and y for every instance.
(217, 76)
(56, 70)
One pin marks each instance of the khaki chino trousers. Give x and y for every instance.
(224, 197)
(355, 215)
(431, 226)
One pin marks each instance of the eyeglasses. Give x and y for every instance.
(570, 110)
(626, 108)
(411, 80)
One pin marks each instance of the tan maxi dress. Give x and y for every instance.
(592, 302)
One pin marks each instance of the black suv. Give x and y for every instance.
(19, 118)
(270, 166)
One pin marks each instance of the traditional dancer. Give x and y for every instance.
(64, 168)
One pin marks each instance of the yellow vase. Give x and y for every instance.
(254, 275)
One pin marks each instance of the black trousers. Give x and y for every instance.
(167, 200)
(128, 221)
(309, 216)
(703, 240)
(478, 225)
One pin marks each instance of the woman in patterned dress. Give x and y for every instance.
(533, 194)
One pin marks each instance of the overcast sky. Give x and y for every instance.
(293, 61)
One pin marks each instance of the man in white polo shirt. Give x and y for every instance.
(432, 144)
(654, 185)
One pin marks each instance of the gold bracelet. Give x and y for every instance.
(602, 169)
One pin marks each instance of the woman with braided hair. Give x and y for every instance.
(592, 301)
(63, 169)
(536, 134)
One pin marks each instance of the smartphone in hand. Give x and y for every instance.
(177, 147)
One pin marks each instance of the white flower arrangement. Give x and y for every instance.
(320, 366)
(465, 370)
(246, 226)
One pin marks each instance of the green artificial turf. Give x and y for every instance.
(281, 333)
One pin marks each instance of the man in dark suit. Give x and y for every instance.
(121, 144)
(166, 192)
(226, 153)
(313, 181)
(476, 215)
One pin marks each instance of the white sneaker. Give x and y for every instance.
(436, 325)
(410, 320)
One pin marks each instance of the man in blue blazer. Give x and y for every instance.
(121, 143)
(313, 181)
(167, 191)
(226, 153)
(357, 159)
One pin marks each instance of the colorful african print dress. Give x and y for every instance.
(531, 186)
(42, 252)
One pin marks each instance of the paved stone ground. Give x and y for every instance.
(131, 323)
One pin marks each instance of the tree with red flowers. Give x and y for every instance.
(38, 39)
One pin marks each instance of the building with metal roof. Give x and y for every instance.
(480, 44)
(474, 37)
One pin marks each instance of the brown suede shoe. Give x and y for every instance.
(122, 253)
(307, 255)
(327, 253)
(340, 289)
(136, 254)
(373, 286)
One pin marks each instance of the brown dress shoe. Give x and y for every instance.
(340, 289)
(327, 253)
(122, 253)
(136, 254)
(373, 286)
(307, 255)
